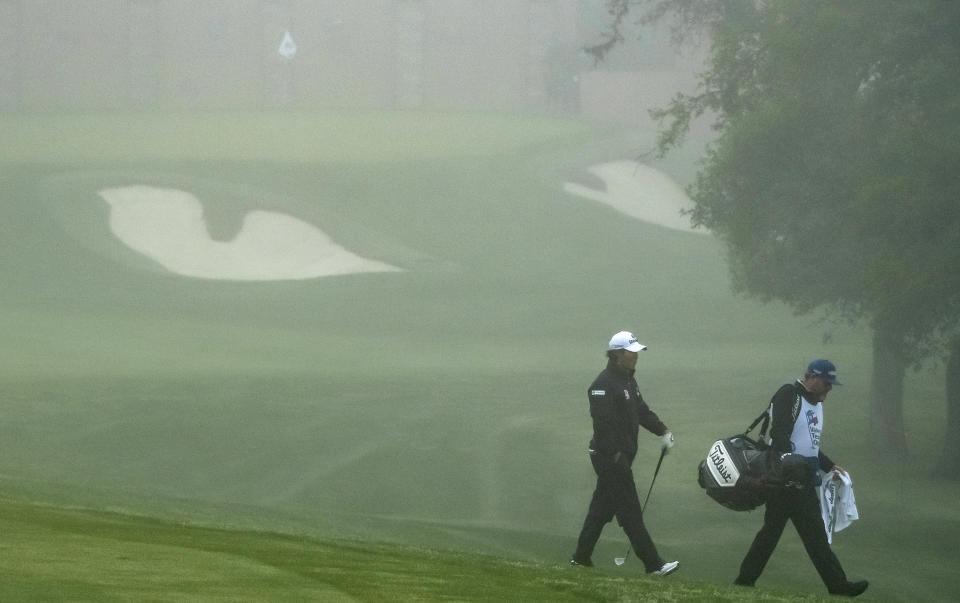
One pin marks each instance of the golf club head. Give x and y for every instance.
(619, 560)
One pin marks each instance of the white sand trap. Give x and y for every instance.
(167, 225)
(639, 191)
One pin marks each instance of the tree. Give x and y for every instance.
(833, 179)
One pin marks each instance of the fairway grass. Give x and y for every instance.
(52, 554)
(441, 408)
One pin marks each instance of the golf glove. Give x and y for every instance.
(668, 441)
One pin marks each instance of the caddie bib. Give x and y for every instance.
(807, 429)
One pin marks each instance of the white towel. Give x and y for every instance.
(838, 505)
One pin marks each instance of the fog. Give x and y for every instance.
(467, 54)
(347, 269)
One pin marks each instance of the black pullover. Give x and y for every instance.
(618, 410)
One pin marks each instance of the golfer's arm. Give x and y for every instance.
(604, 426)
(650, 421)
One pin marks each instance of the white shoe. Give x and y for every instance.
(668, 568)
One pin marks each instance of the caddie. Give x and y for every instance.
(796, 413)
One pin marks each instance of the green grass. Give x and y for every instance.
(442, 408)
(352, 136)
(79, 555)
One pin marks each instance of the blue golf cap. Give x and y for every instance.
(824, 368)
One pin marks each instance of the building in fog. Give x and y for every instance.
(254, 54)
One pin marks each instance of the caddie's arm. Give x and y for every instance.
(827, 465)
(781, 426)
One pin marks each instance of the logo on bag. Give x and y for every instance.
(722, 469)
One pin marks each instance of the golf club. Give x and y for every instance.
(663, 452)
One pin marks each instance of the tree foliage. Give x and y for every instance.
(833, 179)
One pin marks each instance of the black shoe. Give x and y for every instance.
(740, 582)
(574, 562)
(851, 589)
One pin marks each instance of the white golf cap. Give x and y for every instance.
(624, 340)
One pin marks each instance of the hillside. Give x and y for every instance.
(438, 406)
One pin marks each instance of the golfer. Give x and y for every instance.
(796, 413)
(618, 410)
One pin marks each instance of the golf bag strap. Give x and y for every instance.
(765, 417)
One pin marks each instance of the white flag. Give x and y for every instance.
(287, 47)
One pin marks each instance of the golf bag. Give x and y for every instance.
(739, 472)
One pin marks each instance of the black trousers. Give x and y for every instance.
(616, 496)
(803, 509)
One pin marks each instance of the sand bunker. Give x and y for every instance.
(639, 191)
(167, 225)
